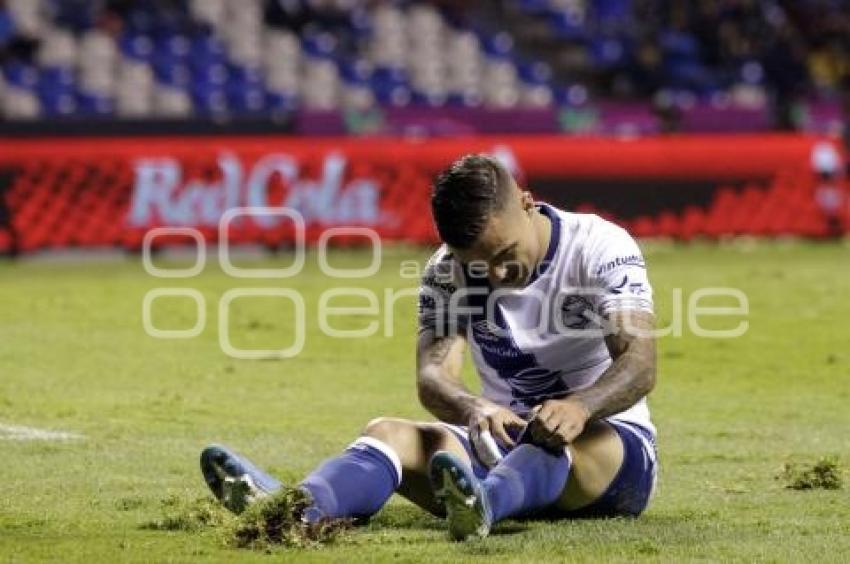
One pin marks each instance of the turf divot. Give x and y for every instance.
(274, 522)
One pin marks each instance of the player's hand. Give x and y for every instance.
(556, 423)
(497, 420)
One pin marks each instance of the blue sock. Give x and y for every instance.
(527, 478)
(356, 483)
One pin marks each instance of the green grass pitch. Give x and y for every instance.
(74, 358)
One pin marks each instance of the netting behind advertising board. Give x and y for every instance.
(110, 192)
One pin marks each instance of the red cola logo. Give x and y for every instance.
(161, 195)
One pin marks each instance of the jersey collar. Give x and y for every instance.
(554, 238)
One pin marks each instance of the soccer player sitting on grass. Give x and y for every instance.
(557, 310)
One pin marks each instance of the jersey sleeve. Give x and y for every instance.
(617, 273)
(440, 281)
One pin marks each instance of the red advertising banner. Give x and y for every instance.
(108, 192)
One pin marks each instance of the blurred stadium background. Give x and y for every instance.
(677, 119)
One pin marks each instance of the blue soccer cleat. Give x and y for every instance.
(235, 480)
(461, 493)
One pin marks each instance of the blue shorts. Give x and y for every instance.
(630, 490)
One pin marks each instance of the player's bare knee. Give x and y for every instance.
(387, 429)
(401, 435)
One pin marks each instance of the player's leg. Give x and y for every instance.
(613, 474)
(608, 470)
(390, 455)
(415, 443)
(596, 457)
(526, 479)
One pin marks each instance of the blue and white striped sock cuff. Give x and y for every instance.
(384, 449)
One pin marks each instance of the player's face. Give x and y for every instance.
(509, 248)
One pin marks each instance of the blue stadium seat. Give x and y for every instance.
(320, 45)
(58, 102)
(245, 75)
(215, 75)
(57, 77)
(499, 45)
(206, 50)
(245, 90)
(281, 102)
(354, 71)
(94, 105)
(388, 77)
(208, 100)
(608, 52)
(390, 86)
(536, 72)
(246, 99)
(611, 12)
(7, 26)
(177, 45)
(137, 46)
(21, 75)
(570, 95)
(393, 95)
(172, 72)
(56, 91)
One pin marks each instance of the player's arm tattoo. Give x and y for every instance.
(631, 343)
(439, 360)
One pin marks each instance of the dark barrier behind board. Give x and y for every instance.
(110, 191)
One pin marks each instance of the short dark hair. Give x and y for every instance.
(464, 197)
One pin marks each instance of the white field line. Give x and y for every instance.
(21, 433)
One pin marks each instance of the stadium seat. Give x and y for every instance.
(446, 58)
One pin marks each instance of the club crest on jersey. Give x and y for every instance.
(577, 312)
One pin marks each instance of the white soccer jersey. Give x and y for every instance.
(543, 340)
